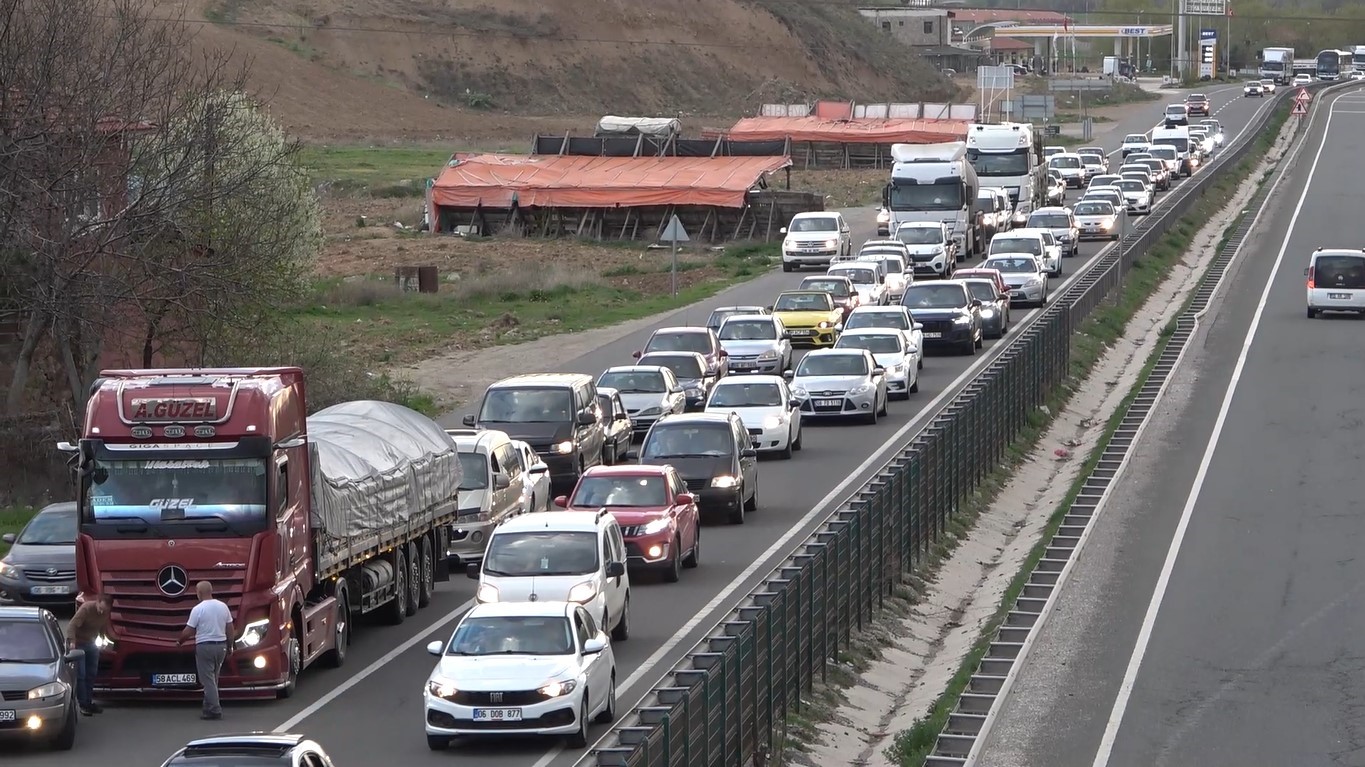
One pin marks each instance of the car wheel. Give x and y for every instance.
(65, 740)
(580, 737)
(914, 387)
(1312, 312)
(786, 267)
(673, 571)
(786, 453)
(797, 444)
(969, 348)
(980, 341)
(621, 632)
(608, 713)
(438, 742)
(886, 401)
(752, 503)
(693, 559)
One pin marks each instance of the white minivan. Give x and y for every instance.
(817, 238)
(1336, 281)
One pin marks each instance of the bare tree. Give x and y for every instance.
(141, 196)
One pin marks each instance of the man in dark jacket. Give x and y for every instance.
(82, 633)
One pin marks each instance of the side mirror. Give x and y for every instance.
(748, 452)
(595, 645)
(11, 537)
(467, 420)
(976, 303)
(622, 417)
(8, 537)
(793, 403)
(436, 648)
(636, 355)
(472, 570)
(788, 374)
(501, 481)
(877, 371)
(562, 501)
(538, 468)
(786, 336)
(684, 499)
(586, 418)
(74, 656)
(917, 326)
(783, 230)
(769, 307)
(724, 354)
(616, 569)
(632, 455)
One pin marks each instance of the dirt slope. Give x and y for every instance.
(443, 69)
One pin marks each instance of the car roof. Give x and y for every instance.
(975, 270)
(284, 740)
(20, 613)
(662, 353)
(870, 332)
(467, 439)
(1091, 150)
(551, 520)
(641, 368)
(1140, 136)
(883, 241)
(816, 214)
(804, 280)
(682, 329)
(832, 352)
(747, 379)
(740, 307)
(920, 225)
(629, 469)
(1110, 203)
(1053, 209)
(882, 309)
(736, 317)
(547, 609)
(686, 418)
(542, 379)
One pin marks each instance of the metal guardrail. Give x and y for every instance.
(722, 704)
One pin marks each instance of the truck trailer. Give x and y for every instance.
(1277, 64)
(302, 524)
(935, 182)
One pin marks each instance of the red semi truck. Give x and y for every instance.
(301, 523)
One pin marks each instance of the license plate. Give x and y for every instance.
(41, 590)
(166, 680)
(497, 715)
(1346, 296)
(803, 332)
(829, 403)
(738, 365)
(6, 715)
(933, 335)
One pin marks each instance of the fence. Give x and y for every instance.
(722, 704)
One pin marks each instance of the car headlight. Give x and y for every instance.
(49, 690)
(583, 593)
(1107, 223)
(254, 633)
(800, 392)
(657, 526)
(962, 319)
(723, 482)
(862, 388)
(771, 354)
(487, 593)
(557, 689)
(987, 312)
(693, 392)
(824, 325)
(1033, 282)
(772, 422)
(652, 411)
(8, 570)
(564, 448)
(831, 243)
(441, 687)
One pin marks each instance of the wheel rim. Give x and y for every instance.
(341, 637)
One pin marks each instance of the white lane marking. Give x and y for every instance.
(369, 670)
(1125, 691)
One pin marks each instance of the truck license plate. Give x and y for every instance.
(41, 590)
(497, 715)
(7, 715)
(933, 335)
(1344, 296)
(829, 403)
(162, 680)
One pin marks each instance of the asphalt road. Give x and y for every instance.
(370, 712)
(1216, 613)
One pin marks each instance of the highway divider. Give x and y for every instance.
(722, 705)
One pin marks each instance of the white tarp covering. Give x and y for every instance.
(377, 466)
(650, 126)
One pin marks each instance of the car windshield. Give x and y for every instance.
(859, 276)
(543, 552)
(748, 330)
(814, 365)
(1090, 159)
(666, 341)
(512, 635)
(25, 642)
(1136, 138)
(1090, 151)
(1152, 164)
(1017, 245)
(1178, 144)
(634, 381)
(50, 528)
(719, 316)
(1095, 208)
(1012, 265)
(515, 405)
(605, 404)
(684, 367)
(935, 297)
(920, 235)
(803, 302)
(686, 440)
(1132, 186)
(1164, 152)
(636, 492)
(1065, 162)
(473, 471)
(889, 265)
(1175, 109)
(836, 288)
(879, 344)
(877, 320)
(1049, 221)
(746, 395)
(815, 225)
(981, 290)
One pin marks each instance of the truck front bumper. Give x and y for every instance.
(259, 672)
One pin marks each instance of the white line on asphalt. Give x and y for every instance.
(1125, 691)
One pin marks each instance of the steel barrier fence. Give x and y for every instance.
(721, 705)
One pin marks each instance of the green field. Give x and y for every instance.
(380, 171)
(12, 520)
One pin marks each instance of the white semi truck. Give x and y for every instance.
(935, 182)
(1010, 155)
(1277, 64)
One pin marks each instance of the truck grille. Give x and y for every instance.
(142, 611)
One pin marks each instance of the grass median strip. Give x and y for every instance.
(1099, 332)
(12, 520)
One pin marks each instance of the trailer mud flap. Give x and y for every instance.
(441, 573)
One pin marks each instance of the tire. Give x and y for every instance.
(799, 434)
(693, 559)
(396, 611)
(737, 515)
(621, 631)
(786, 267)
(580, 738)
(673, 572)
(414, 597)
(1312, 313)
(65, 740)
(426, 566)
(786, 453)
(979, 342)
(885, 403)
(914, 387)
(870, 418)
(608, 714)
(341, 632)
(438, 742)
(294, 657)
(752, 503)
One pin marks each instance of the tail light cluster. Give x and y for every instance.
(1311, 284)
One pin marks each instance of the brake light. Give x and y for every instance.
(1310, 278)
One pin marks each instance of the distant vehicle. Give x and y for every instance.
(659, 520)
(937, 183)
(689, 368)
(1178, 138)
(1009, 156)
(1196, 104)
(951, 316)
(1336, 281)
(1072, 168)
(555, 413)
(1268, 85)
(1334, 64)
(1254, 89)
(995, 304)
(815, 239)
(757, 344)
(769, 410)
(1062, 224)
(492, 489)
(40, 568)
(1301, 80)
(1024, 275)
(931, 246)
(1097, 220)
(1177, 114)
(840, 383)
(893, 355)
(891, 317)
(895, 267)
(703, 341)
(1276, 64)
(1134, 142)
(716, 457)
(619, 430)
(648, 392)
(719, 314)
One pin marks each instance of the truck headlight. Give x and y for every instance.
(583, 593)
(254, 633)
(558, 689)
(49, 690)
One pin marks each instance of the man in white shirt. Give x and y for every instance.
(210, 625)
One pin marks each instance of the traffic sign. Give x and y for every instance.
(1300, 108)
(1303, 96)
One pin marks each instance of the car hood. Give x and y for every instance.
(1015, 279)
(29, 556)
(753, 417)
(473, 499)
(545, 588)
(749, 348)
(937, 314)
(26, 676)
(695, 466)
(506, 673)
(534, 433)
(1096, 219)
(866, 292)
(1060, 232)
(808, 319)
(809, 238)
(889, 361)
(828, 383)
(635, 402)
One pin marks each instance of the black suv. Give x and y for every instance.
(558, 414)
(713, 454)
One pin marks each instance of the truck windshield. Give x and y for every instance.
(926, 196)
(1001, 164)
(1272, 66)
(231, 490)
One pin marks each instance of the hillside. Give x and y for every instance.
(456, 69)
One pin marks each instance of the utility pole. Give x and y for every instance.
(1178, 50)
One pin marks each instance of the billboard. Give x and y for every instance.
(1208, 53)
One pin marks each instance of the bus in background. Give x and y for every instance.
(1334, 65)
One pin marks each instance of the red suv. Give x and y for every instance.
(658, 517)
(1197, 104)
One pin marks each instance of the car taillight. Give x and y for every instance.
(1310, 278)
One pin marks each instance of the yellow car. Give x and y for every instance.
(810, 316)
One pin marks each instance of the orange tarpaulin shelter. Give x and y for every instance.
(856, 131)
(544, 181)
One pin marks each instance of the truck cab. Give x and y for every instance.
(1010, 156)
(935, 182)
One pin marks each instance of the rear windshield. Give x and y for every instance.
(1339, 272)
(1030, 245)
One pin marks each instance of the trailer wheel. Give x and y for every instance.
(414, 598)
(397, 608)
(428, 570)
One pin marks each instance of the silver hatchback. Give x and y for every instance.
(38, 677)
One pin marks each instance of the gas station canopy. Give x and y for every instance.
(1074, 30)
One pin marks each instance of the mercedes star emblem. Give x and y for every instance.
(172, 580)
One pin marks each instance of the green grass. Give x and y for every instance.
(12, 520)
(1104, 327)
(379, 171)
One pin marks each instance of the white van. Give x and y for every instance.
(1336, 281)
(1178, 138)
